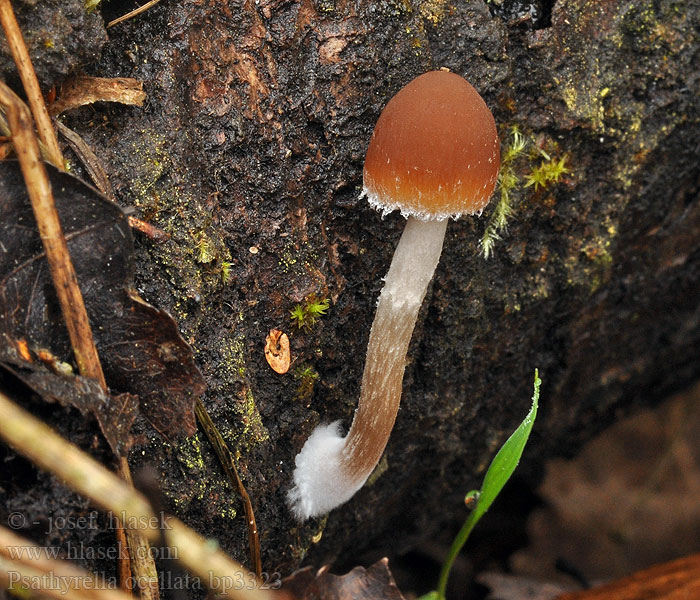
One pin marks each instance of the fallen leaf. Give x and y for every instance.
(114, 414)
(140, 348)
(277, 351)
(516, 587)
(675, 580)
(374, 583)
(82, 90)
(606, 512)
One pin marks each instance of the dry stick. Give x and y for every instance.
(25, 581)
(5, 130)
(31, 85)
(62, 271)
(43, 446)
(6, 583)
(142, 561)
(229, 465)
(133, 13)
(20, 557)
(72, 306)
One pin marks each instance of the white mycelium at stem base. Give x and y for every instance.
(434, 154)
(331, 468)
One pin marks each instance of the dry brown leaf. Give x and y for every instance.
(277, 351)
(79, 91)
(374, 583)
(515, 587)
(141, 351)
(675, 580)
(628, 500)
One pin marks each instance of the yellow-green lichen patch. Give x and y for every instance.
(590, 260)
(297, 259)
(397, 8)
(433, 11)
(232, 366)
(197, 483)
(593, 88)
(298, 263)
(195, 258)
(247, 428)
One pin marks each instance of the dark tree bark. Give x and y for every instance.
(249, 153)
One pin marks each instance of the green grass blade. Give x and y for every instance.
(498, 473)
(508, 457)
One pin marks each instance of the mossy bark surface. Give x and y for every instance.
(249, 154)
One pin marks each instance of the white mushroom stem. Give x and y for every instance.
(331, 468)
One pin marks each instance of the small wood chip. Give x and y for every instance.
(277, 351)
(23, 349)
(79, 91)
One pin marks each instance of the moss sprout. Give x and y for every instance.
(515, 175)
(225, 272)
(508, 180)
(307, 377)
(305, 314)
(550, 171)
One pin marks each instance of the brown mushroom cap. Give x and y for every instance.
(434, 152)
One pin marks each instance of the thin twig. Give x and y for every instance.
(229, 465)
(43, 205)
(5, 131)
(32, 565)
(142, 561)
(15, 41)
(133, 13)
(71, 301)
(43, 446)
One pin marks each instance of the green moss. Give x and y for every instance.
(205, 249)
(225, 272)
(307, 377)
(548, 172)
(508, 180)
(305, 315)
(521, 161)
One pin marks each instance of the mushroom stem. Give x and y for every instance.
(331, 468)
(411, 270)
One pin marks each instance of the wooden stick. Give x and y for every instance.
(132, 13)
(65, 282)
(31, 85)
(81, 472)
(142, 562)
(20, 558)
(229, 465)
(62, 271)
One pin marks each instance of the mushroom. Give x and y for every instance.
(434, 154)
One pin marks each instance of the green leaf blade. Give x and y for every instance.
(508, 457)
